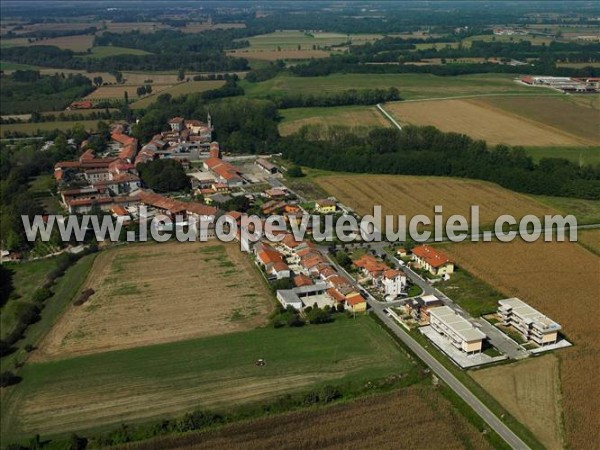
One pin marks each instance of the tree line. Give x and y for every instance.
(347, 97)
(429, 151)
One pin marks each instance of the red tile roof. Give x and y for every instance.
(431, 256)
(302, 280)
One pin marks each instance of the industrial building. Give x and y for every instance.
(528, 321)
(459, 331)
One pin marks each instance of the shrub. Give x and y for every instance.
(8, 378)
(42, 294)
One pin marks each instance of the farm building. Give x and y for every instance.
(529, 322)
(436, 262)
(267, 166)
(459, 331)
(303, 296)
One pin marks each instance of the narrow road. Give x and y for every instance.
(442, 373)
(387, 116)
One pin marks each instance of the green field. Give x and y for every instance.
(27, 278)
(32, 128)
(219, 372)
(583, 155)
(291, 39)
(7, 65)
(586, 211)
(103, 52)
(411, 86)
(190, 87)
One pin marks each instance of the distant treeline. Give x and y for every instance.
(348, 97)
(429, 151)
(49, 56)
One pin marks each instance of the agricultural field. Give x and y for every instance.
(117, 92)
(480, 119)
(78, 43)
(530, 392)
(293, 44)
(412, 195)
(561, 280)
(578, 65)
(150, 294)
(215, 373)
(354, 116)
(574, 115)
(322, 428)
(199, 27)
(586, 211)
(590, 239)
(33, 128)
(190, 87)
(411, 86)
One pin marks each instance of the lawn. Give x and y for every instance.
(586, 211)
(411, 86)
(472, 294)
(216, 372)
(33, 128)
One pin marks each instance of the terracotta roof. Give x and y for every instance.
(339, 280)
(325, 202)
(280, 266)
(431, 256)
(336, 295)
(302, 280)
(268, 255)
(119, 210)
(392, 273)
(354, 300)
(370, 264)
(290, 242)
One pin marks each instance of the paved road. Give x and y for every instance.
(443, 374)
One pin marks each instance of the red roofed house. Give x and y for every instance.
(371, 267)
(356, 303)
(302, 280)
(271, 261)
(436, 262)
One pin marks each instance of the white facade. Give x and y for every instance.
(459, 331)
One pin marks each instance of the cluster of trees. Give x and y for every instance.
(348, 97)
(428, 151)
(241, 125)
(143, 90)
(164, 175)
(27, 90)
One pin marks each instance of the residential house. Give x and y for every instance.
(325, 206)
(267, 166)
(433, 260)
(393, 282)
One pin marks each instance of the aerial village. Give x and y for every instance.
(305, 274)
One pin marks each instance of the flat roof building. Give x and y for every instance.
(529, 322)
(459, 331)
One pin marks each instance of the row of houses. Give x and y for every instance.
(316, 281)
(391, 282)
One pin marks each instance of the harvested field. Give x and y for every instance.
(579, 117)
(353, 116)
(411, 195)
(115, 92)
(481, 120)
(562, 281)
(530, 391)
(78, 43)
(382, 418)
(211, 373)
(148, 294)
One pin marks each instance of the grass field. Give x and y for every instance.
(149, 294)
(295, 118)
(32, 128)
(343, 426)
(291, 39)
(177, 90)
(274, 55)
(482, 119)
(65, 289)
(411, 86)
(586, 211)
(411, 195)
(213, 372)
(103, 52)
(530, 391)
(561, 280)
(590, 239)
(579, 155)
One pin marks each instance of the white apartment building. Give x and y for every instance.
(529, 322)
(393, 282)
(456, 329)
